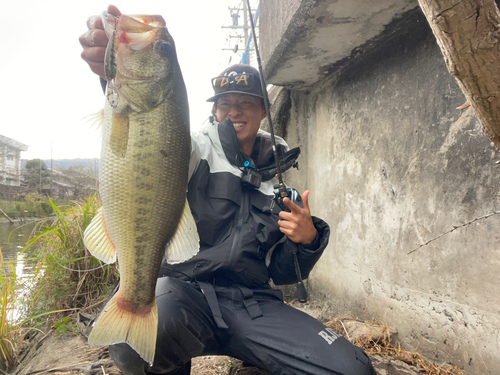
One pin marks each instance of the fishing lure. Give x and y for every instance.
(110, 57)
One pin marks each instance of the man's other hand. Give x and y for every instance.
(297, 224)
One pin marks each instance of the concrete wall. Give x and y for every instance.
(391, 164)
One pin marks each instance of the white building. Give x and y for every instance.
(10, 161)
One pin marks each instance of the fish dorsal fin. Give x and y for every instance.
(96, 240)
(186, 243)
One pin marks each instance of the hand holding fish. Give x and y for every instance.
(298, 224)
(94, 42)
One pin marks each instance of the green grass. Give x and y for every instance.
(66, 278)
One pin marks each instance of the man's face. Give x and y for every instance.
(245, 112)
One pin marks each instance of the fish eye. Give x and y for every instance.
(164, 48)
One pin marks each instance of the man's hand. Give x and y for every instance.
(95, 41)
(298, 224)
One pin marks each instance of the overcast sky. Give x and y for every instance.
(48, 90)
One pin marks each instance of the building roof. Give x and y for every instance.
(13, 143)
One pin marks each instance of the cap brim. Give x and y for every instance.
(215, 97)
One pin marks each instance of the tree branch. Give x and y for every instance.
(470, 47)
(454, 228)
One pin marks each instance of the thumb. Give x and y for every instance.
(114, 11)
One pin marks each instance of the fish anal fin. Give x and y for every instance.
(185, 243)
(117, 325)
(119, 134)
(97, 241)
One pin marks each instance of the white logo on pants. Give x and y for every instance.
(329, 335)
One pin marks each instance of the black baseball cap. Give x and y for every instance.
(237, 79)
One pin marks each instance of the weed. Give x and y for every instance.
(379, 342)
(12, 333)
(64, 325)
(67, 276)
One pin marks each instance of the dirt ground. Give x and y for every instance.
(69, 354)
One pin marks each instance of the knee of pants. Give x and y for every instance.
(130, 363)
(172, 314)
(180, 327)
(127, 359)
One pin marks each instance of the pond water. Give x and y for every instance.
(13, 239)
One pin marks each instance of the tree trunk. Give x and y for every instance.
(468, 33)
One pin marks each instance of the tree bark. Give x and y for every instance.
(468, 33)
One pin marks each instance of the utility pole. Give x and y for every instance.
(245, 21)
(243, 39)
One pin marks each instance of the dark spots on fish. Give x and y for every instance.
(164, 153)
(142, 238)
(142, 211)
(143, 186)
(143, 200)
(141, 156)
(141, 142)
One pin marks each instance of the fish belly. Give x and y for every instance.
(143, 179)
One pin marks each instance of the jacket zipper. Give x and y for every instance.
(242, 216)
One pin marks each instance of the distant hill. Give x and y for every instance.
(66, 163)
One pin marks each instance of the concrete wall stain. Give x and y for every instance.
(391, 163)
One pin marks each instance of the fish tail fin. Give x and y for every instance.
(116, 325)
(185, 243)
(96, 240)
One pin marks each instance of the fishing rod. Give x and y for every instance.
(282, 191)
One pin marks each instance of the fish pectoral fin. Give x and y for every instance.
(116, 325)
(96, 240)
(185, 243)
(95, 119)
(119, 134)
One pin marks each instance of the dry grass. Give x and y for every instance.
(12, 331)
(379, 342)
(68, 276)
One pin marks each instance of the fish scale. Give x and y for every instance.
(142, 179)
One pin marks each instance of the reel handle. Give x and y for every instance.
(290, 193)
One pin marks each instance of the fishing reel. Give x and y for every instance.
(281, 192)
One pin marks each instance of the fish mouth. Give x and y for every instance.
(135, 31)
(131, 23)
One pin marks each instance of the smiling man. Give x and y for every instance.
(220, 301)
(240, 100)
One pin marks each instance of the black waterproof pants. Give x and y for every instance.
(261, 330)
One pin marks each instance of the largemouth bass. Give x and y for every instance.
(142, 178)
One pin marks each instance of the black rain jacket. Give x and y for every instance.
(240, 240)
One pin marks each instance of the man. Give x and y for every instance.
(220, 301)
